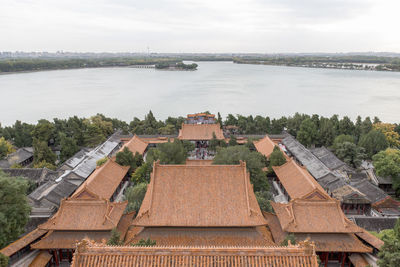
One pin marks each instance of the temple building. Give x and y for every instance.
(192, 205)
(200, 118)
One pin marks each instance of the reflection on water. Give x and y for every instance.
(216, 86)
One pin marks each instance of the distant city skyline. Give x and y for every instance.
(200, 26)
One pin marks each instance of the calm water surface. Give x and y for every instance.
(215, 86)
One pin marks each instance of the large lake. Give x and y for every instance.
(216, 86)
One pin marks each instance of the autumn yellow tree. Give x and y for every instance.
(5, 147)
(391, 135)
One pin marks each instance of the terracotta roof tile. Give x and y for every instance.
(85, 214)
(41, 259)
(334, 242)
(104, 180)
(87, 255)
(297, 181)
(358, 260)
(68, 239)
(136, 144)
(206, 236)
(198, 162)
(200, 131)
(265, 146)
(200, 196)
(22, 242)
(313, 216)
(370, 239)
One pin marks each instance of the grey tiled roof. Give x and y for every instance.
(327, 158)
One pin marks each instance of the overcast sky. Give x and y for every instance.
(264, 26)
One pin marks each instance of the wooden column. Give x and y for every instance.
(326, 259)
(344, 258)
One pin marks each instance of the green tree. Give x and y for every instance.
(93, 135)
(3, 260)
(14, 208)
(263, 199)
(308, 133)
(43, 131)
(42, 152)
(135, 195)
(366, 126)
(115, 238)
(232, 141)
(5, 148)
(326, 132)
(358, 128)
(346, 126)
(255, 162)
(373, 142)
(340, 139)
(145, 243)
(68, 146)
(22, 134)
(172, 152)
(142, 173)
(389, 254)
(219, 119)
(350, 153)
(126, 158)
(387, 164)
(276, 158)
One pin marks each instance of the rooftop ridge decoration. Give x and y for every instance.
(199, 196)
(88, 254)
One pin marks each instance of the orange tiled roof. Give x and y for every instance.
(313, 216)
(370, 239)
(22, 242)
(200, 196)
(265, 146)
(358, 260)
(200, 131)
(297, 181)
(199, 162)
(68, 239)
(136, 144)
(156, 140)
(85, 214)
(92, 255)
(324, 242)
(203, 236)
(104, 180)
(41, 259)
(387, 202)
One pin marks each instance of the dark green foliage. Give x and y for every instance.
(189, 146)
(263, 199)
(115, 238)
(42, 152)
(21, 134)
(373, 142)
(255, 162)
(14, 208)
(346, 126)
(327, 132)
(3, 260)
(215, 143)
(68, 146)
(126, 158)
(308, 133)
(389, 254)
(232, 141)
(145, 243)
(387, 164)
(341, 139)
(276, 158)
(135, 195)
(169, 153)
(288, 237)
(350, 153)
(293, 123)
(43, 131)
(219, 119)
(142, 173)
